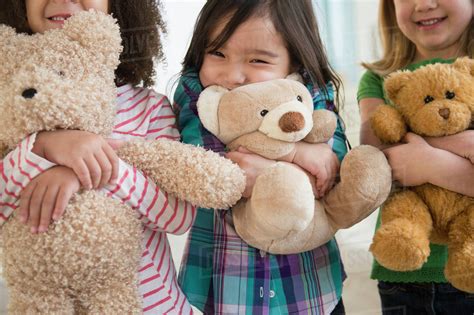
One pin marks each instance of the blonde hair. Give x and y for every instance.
(398, 50)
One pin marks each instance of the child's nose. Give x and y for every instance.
(424, 5)
(234, 77)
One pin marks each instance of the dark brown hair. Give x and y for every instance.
(294, 20)
(141, 24)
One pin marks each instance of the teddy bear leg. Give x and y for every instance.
(366, 180)
(459, 269)
(116, 297)
(282, 200)
(27, 299)
(402, 241)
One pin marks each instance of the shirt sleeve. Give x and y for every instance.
(157, 210)
(370, 86)
(163, 120)
(17, 170)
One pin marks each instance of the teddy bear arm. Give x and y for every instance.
(191, 173)
(324, 126)
(365, 184)
(388, 124)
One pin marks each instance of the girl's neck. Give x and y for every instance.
(446, 53)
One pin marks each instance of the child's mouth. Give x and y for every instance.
(430, 22)
(59, 18)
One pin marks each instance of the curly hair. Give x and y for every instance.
(141, 25)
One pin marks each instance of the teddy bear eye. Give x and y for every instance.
(61, 73)
(429, 99)
(450, 95)
(299, 98)
(29, 93)
(263, 112)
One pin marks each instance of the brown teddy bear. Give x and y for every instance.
(282, 216)
(435, 100)
(88, 260)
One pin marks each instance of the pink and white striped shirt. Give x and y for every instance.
(141, 113)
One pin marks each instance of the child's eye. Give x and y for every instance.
(217, 53)
(258, 61)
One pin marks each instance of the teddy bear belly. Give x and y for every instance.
(444, 205)
(97, 239)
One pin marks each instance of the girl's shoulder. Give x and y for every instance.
(131, 97)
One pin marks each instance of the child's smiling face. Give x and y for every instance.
(44, 15)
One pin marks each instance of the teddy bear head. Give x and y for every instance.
(279, 109)
(435, 100)
(62, 79)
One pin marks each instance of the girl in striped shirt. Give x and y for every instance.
(39, 177)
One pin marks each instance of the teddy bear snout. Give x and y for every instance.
(444, 112)
(291, 122)
(29, 93)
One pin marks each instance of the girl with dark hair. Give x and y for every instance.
(65, 160)
(237, 42)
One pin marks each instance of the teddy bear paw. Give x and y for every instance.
(398, 247)
(460, 268)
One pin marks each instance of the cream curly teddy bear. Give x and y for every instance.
(88, 260)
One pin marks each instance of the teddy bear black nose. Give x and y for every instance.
(444, 112)
(29, 93)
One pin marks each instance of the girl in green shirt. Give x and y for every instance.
(415, 33)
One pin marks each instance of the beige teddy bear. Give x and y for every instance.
(88, 260)
(435, 100)
(282, 216)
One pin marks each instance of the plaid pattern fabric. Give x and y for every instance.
(221, 274)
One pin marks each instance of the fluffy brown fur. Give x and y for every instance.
(87, 261)
(141, 26)
(411, 218)
(282, 216)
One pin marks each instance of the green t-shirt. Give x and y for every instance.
(371, 86)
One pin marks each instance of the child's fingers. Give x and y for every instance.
(35, 207)
(25, 198)
(114, 162)
(82, 172)
(94, 170)
(105, 167)
(64, 195)
(47, 207)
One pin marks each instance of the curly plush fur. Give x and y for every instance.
(87, 261)
(435, 100)
(282, 216)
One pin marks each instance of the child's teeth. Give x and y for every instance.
(429, 22)
(57, 18)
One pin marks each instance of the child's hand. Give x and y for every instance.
(88, 155)
(252, 164)
(319, 160)
(46, 197)
(410, 161)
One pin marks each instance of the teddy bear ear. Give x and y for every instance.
(98, 32)
(208, 105)
(395, 82)
(465, 64)
(295, 76)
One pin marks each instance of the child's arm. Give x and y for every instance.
(320, 161)
(46, 197)
(461, 144)
(416, 162)
(88, 155)
(17, 169)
